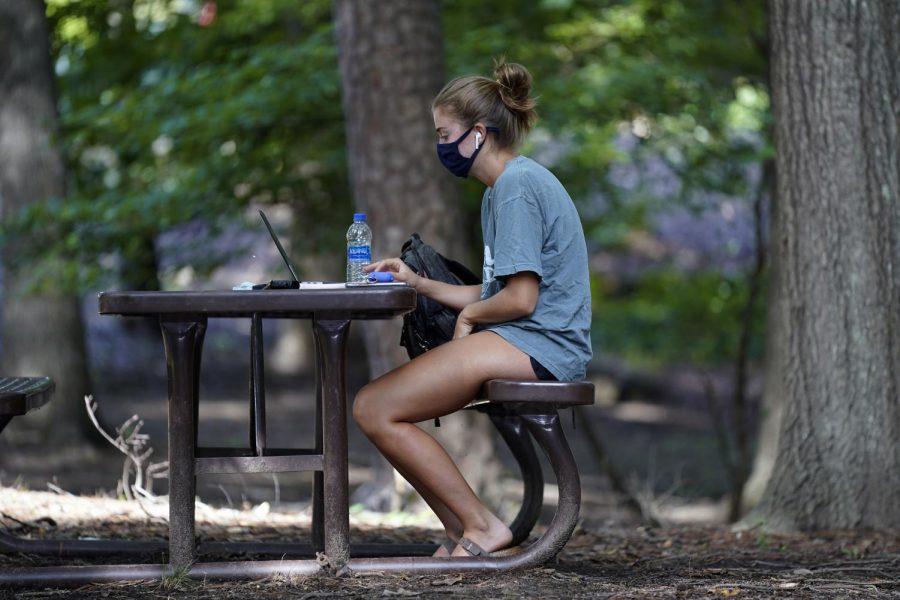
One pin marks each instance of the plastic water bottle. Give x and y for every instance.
(359, 248)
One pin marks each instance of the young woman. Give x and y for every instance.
(530, 318)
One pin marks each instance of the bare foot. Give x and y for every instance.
(494, 536)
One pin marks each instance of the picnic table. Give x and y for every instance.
(521, 411)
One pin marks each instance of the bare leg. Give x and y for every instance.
(437, 383)
(452, 525)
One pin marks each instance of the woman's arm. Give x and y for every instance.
(456, 297)
(517, 299)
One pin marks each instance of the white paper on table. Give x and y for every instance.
(321, 285)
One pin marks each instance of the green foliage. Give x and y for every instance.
(166, 123)
(687, 76)
(669, 317)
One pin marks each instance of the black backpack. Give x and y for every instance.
(431, 323)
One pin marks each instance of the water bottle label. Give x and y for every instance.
(360, 253)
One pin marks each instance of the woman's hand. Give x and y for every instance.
(397, 268)
(463, 326)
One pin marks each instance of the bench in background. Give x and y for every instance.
(21, 395)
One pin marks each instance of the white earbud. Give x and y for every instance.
(477, 139)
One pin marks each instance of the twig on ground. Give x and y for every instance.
(895, 558)
(850, 582)
(58, 490)
(36, 524)
(643, 491)
(135, 446)
(227, 496)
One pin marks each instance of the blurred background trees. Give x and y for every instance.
(172, 122)
(41, 335)
(177, 117)
(654, 114)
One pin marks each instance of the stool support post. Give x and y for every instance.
(513, 431)
(548, 433)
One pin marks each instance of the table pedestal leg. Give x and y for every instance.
(183, 340)
(331, 336)
(318, 495)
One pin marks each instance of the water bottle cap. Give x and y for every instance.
(359, 216)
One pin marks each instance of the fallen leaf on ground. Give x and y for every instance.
(399, 592)
(727, 592)
(447, 580)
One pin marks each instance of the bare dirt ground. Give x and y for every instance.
(601, 561)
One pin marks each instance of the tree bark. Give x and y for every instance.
(836, 88)
(392, 65)
(41, 335)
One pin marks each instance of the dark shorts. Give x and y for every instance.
(541, 371)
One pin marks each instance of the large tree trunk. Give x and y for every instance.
(836, 88)
(392, 65)
(41, 335)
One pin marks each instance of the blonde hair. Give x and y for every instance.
(503, 102)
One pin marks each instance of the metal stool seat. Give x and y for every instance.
(561, 394)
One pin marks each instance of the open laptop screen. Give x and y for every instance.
(284, 255)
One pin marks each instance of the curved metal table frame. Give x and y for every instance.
(183, 320)
(542, 423)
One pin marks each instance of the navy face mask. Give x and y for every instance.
(455, 162)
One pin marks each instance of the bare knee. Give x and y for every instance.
(367, 413)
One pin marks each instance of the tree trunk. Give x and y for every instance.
(41, 335)
(392, 65)
(836, 88)
(770, 413)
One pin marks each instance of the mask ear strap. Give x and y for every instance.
(460, 139)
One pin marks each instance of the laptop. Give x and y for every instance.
(279, 284)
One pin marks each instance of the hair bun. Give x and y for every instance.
(514, 84)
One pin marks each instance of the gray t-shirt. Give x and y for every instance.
(529, 223)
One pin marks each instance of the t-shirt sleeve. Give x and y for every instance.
(519, 237)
